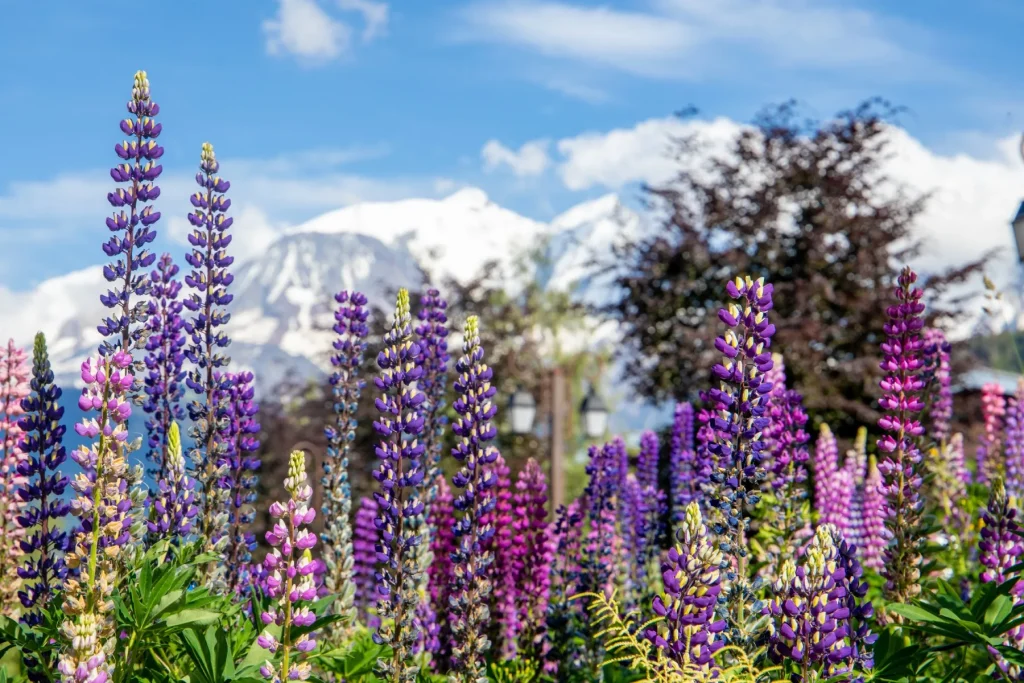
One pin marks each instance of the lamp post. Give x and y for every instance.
(523, 412)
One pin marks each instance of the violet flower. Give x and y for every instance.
(504, 569)
(431, 334)
(291, 580)
(1014, 439)
(600, 497)
(173, 504)
(682, 464)
(209, 281)
(164, 358)
(134, 220)
(240, 465)
(400, 475)
(14, 388)
(567, 579)
(1000, 548)
(735, 442)
(364, 558)
(647, 460)
(900, 467)
(876, 534)
(476, 480)
(346, 389)
(689, 632)
(534, 554)
(936, 353)
(105, 528)
(43, 507)
(440, 574)
(993, 410)
(826, 472)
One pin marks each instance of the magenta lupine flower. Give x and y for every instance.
(1000, 548)
(692, 574)
(364, 558)
(133, 219)
(876, 534)
(989, 453)
(900, 468)
(164, 358)
(291, 580)
(1014, 439)
(400, 476)
(440, 574)
(208, 281)
(43, 507)
(476, 480)
(504, 570)
(735, 443)
(173, 504)
(842, 504)
(346, 390)
(826, 472)
(682, 461)
(534, 553)
(14, 388)
(89, 627)
(240, 465)
(936, 352)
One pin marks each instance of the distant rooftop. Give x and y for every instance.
(973, 380)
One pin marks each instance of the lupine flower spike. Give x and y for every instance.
(209, 281)
(43, 507)
(364, 538)
(132, 221)
(346, 388)
(1000, 549)
(690, 633)
(14, 387)
(173, 504)
(900, 467)
(682, 463)
(291, 580)
(102, 506)
(400, 476)
(735, 442)
(164, 358)
(440, 576)
(989, 453)
(534, 552)
(1014, 437)
(475, 480)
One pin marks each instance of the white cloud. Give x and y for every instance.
(304, 29)
(531, 159)
(690, 39)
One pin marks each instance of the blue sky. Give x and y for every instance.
(314, 104)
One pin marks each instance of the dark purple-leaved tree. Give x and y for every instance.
(806, 205)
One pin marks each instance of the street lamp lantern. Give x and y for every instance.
(595, 415)
(522, 409)
(1018, 231)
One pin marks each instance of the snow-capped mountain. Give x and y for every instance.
(283, 298)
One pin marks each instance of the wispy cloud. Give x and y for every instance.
(305, 30)
(694, 39)
(529, 160)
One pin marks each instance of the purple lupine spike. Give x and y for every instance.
(842, 501)
(14, 388)
(567, 579)
(689, 631)
(682, 463)
(534, 553)
(173, 504)
(826, 472)
(504, 574)
(601, 494)
(875, 533)
(1014, 439)
(1000, 548)
(104, 529)
(786, 443)
(133, 219)
(440, 574)
(993, 410)
(632, 536)
(164, 358)
(208, 281)
(860, 609)
(647, 460)
(364, 557)
(432, 334)
(240, 464)
(735, 443)
(346, 390)
(811, 612)
(958, 458)
(902, 405)
(292, 580)
(936, 353)
(400, 476)
(476, 480)
(43, 508)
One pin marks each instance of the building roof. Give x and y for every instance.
(974, 379)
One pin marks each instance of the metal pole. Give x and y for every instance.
(557, 438)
